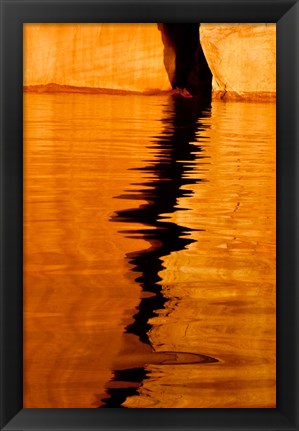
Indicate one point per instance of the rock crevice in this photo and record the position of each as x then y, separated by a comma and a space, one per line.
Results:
184, 58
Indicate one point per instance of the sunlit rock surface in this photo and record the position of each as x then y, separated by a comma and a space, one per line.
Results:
242, 58
132, 57
115, 56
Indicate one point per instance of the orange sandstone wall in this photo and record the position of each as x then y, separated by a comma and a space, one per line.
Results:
242, 58
117, 56
130, 57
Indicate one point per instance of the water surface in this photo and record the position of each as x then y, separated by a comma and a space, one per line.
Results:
149, 252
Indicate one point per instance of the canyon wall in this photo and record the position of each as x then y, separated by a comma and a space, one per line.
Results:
132, 57
115, 56
242, 58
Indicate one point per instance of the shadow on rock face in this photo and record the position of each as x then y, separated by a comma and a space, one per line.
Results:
184, 59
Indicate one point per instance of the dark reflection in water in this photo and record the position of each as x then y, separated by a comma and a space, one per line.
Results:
133, 377
176, 151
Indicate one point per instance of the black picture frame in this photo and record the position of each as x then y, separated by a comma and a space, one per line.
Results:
13, 14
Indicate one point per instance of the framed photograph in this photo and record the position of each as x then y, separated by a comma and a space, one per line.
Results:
149, 221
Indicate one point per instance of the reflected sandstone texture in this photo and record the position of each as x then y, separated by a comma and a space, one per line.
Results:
90, 162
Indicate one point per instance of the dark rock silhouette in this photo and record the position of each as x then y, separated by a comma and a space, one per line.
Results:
191, 70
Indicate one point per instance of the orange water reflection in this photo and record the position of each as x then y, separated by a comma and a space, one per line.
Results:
80, 290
